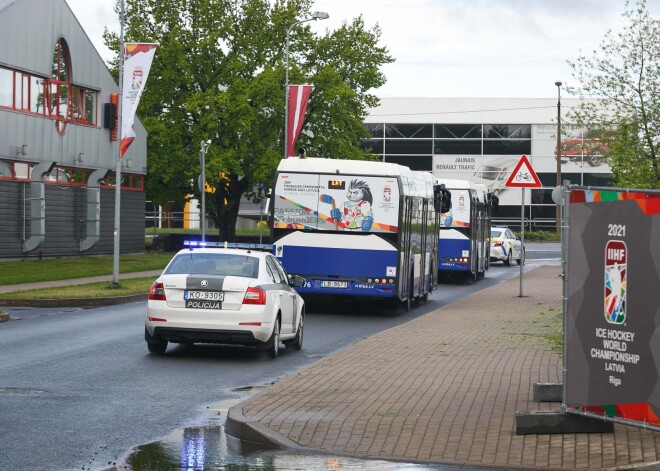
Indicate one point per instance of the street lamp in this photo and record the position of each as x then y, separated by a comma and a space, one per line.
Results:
316, 15
558, 214
202, 185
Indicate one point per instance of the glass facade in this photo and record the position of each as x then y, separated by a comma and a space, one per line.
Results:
487, 154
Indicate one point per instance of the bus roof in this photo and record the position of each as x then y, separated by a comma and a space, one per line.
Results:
455, 183
461, 184
343, 166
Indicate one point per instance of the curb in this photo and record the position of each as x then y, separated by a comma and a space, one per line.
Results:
71, 302
239, 427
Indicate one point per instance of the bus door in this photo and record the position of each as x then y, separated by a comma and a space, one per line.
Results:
406, 248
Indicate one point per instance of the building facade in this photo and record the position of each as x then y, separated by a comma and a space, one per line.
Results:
482, 140
58, 140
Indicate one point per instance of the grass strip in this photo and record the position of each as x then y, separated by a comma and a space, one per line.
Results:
102, 289
33, 271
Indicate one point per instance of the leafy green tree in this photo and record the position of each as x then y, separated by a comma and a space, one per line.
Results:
621, 85
219, 74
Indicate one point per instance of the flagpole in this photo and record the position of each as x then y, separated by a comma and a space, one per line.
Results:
115, 253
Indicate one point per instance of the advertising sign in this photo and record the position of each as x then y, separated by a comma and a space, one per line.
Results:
459, 213
612, 333
336, 202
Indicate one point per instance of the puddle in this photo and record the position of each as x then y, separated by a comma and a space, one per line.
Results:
208, 448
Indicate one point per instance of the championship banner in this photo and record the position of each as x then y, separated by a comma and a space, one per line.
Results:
298, 98
137, 62
613, 311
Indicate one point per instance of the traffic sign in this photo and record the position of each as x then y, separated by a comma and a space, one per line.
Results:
523, 175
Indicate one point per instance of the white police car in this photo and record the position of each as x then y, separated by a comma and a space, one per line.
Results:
220, 293
505, 246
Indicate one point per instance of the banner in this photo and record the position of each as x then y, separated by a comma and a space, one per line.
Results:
137, 62
613, 313
298, 98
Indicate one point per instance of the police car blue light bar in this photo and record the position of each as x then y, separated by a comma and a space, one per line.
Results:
191, 244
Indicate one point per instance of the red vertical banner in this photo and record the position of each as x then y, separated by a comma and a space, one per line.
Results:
298, 98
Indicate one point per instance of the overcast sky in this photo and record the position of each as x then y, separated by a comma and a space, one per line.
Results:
455, 48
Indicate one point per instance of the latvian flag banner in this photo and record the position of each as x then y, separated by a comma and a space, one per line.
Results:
298, 98
137, 62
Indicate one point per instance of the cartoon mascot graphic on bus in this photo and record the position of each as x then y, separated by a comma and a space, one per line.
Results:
356, 213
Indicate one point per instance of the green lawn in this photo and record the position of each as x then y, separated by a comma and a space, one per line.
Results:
32, 271
127, 287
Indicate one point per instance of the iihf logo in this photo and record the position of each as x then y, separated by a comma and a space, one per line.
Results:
616, 281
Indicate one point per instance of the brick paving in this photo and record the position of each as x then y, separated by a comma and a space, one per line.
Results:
444, 388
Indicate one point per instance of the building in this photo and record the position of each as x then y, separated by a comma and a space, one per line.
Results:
58, 140
482, 139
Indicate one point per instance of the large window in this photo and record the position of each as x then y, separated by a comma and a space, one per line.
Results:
54, 97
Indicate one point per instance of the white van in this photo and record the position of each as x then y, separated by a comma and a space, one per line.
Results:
494, 175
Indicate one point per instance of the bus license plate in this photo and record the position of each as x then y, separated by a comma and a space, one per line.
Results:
334, 284
204, 295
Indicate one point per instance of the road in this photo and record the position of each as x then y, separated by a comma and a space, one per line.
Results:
78, 389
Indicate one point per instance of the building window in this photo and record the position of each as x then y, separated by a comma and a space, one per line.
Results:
457, 146
408, 131
409, 146
376, 129
507, 131
54, 97
458, 131
507, 147
59, 86
414, 162
6, 88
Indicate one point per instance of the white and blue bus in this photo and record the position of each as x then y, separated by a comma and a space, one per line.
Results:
356, 228
464, 246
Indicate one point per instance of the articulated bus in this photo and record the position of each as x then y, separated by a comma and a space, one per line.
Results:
464, 246
356, 228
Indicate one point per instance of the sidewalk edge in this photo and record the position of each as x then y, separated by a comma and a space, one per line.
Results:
238, 426
73, 302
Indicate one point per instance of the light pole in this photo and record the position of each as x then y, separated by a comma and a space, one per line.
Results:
316, 15
202, 185
558, 214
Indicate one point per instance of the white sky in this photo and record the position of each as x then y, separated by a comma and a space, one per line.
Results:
455, 48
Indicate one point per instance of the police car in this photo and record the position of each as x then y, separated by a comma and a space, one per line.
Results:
505, 246
225, 294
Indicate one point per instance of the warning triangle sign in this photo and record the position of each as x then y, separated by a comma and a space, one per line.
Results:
523, 176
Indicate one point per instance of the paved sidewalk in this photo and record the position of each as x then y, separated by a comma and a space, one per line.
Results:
443, 388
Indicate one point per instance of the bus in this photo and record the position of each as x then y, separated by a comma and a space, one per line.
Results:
357, 229
464, 246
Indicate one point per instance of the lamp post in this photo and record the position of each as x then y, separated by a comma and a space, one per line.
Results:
202, 185
316, 15
558, 214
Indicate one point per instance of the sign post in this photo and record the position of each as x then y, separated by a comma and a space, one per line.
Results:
523, 176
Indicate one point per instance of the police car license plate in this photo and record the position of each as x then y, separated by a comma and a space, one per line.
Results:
204, 295
334, 284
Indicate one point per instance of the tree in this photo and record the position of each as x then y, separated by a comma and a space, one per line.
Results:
622, 84
219, 74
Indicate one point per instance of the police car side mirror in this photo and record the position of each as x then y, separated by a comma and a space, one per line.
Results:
296, 281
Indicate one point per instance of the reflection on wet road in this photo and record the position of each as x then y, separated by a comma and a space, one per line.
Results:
209, 448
